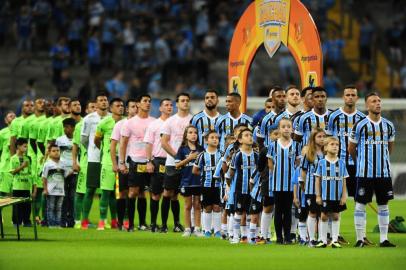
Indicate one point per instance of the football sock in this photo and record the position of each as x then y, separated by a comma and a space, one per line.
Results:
360, 220
383, 221
175, 211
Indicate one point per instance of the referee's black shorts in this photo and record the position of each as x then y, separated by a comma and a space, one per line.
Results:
157, 178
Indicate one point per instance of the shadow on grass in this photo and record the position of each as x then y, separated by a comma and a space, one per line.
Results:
14, 239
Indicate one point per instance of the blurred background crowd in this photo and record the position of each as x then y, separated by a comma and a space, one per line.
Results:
76, 47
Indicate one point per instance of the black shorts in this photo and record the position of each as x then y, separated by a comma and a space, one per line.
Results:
268, 201
122, 181
332, 207
242, 202
190, 191
157, 178
351, 181
311, 204
172, 178
93, 175
255, 207
210, 196
138, 176
302, 213
366, 187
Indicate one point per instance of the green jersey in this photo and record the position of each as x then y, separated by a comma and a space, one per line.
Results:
25, 126
34, 126
16, 126
104, 130
81, 181
43, 128
5, 149
21, 180
56, 128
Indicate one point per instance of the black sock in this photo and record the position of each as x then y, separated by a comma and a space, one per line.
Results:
131, 211
154, 208
142, 210
166, 203
175, 211
120, 210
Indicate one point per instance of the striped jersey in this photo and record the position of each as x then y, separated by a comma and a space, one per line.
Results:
244, 166
308, 121
225, 125
207, 162
372, 139
310, 168
270, 124
332, 176
283, 158
203, 122
340, 125
256, 189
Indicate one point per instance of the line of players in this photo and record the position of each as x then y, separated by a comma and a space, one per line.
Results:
185, 153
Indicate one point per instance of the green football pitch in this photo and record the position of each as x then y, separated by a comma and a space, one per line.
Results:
109, 249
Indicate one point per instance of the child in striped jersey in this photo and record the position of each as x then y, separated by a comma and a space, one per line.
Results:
242, 166
266, 192
312, 153
231, 148
283, 157
205, 166
190, 183
331, 190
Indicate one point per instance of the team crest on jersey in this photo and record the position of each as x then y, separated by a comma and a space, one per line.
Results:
238, 205
309, 202
361, 192
254, 207
324, 204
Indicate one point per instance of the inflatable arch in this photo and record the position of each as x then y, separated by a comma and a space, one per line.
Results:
271, 22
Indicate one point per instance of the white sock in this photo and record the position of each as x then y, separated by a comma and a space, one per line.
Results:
203, 220
237, 225
253, 230
257, 231
383, 221
302, 231
360, 220
244, 231
323, 233
335, 229
230, 225
265, 222
216, 221
319, 230
329, 230
224, 228
192, 217
207, 222
295, 221
248, 221
311, 225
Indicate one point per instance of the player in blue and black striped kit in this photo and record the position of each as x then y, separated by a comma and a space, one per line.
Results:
205, 166
283, 157
371, 143
331, 191
340, 124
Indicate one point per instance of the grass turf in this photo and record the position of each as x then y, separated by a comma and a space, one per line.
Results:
109, 249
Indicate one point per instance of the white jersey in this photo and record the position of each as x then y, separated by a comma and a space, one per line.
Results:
65, 146
89, 130
55, 174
